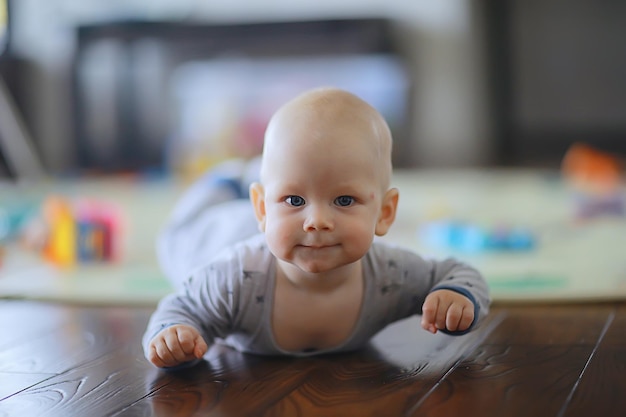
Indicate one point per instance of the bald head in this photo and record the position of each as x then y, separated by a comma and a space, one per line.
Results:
330, 119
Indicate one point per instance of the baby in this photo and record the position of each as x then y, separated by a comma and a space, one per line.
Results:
315, 281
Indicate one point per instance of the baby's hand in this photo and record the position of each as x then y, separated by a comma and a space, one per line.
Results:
449, 310
176, 345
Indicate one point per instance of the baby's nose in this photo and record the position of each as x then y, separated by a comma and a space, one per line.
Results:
318, 218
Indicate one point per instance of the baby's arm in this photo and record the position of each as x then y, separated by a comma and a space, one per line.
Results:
447, 310
458, 297
176, 345
185, 322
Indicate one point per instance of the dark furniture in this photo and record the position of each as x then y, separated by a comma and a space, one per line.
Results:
19, 158
556, 74
122, 72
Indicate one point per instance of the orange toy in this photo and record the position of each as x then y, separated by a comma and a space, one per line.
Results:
596, 180
591, 170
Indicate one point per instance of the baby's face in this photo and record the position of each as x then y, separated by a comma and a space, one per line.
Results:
322, 195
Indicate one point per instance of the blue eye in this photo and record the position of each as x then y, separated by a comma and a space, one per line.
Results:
294, 200
344, 201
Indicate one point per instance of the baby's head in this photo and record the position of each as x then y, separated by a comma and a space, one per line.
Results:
325, 178
327, 120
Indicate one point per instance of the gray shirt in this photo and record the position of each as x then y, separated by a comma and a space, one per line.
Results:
230, 299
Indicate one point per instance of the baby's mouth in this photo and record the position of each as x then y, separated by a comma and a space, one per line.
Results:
318, 246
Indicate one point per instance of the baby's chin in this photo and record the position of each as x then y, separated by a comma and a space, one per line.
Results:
313, 267
320, 265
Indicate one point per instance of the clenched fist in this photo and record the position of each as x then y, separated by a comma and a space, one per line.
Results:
449, 310
176, 345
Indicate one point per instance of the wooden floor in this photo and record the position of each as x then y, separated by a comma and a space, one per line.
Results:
65, 361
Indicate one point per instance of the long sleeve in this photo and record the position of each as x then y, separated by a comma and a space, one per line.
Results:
403, 280
227, 298
205, 302
453, 275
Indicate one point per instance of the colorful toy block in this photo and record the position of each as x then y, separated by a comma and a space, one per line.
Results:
83, 231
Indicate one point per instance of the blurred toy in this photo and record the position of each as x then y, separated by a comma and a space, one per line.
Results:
13, 217
99, 230
589, 206
60, 246
591, 169
75, 232
467, 237
596, 179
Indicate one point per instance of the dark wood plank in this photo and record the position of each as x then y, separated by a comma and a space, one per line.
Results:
501, 380
12, 383
119, 380
21, 321
70, 337
524, 360
602, 387
97, 388
401, 365
616, 334
353, 384
64, 349
552, 325
541, 350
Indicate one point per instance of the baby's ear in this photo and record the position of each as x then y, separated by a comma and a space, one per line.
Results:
387, 212
257, 196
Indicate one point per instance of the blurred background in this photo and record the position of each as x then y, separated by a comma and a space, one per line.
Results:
176, 86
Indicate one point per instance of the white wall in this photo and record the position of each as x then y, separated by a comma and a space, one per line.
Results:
440, 39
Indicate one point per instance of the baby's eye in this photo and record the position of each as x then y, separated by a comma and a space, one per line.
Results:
344, 201
294, 200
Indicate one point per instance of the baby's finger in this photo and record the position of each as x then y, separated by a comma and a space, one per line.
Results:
187, 340
429, 327
173, 344
442, 314
154, 357
429, 313
163, 353
200, 347
454, 316
467, 319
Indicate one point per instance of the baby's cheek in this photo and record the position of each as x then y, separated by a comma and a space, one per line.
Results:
279, 241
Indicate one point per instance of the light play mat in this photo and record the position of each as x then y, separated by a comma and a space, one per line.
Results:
568, 261
134, 278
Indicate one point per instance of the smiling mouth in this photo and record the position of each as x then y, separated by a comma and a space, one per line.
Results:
317, 247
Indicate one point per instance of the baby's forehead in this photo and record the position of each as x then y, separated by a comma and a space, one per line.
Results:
314, 120
330, 121
335, 105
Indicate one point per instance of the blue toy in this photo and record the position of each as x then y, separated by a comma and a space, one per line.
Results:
467, 237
